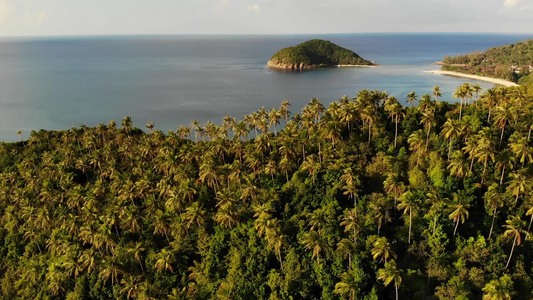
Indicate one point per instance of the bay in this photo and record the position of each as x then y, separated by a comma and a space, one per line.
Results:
61, 82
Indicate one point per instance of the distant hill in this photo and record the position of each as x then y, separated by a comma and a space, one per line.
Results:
512, 62
315, 54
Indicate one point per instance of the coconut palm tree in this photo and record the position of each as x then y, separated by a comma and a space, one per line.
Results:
459, 208
499, 289
382, 249
389, 274
313, 241
493, 200
514, 230
436, 92
409, 205
350, 283
411, 98
519, 185
416, 143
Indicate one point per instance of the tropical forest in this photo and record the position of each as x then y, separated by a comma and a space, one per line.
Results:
369, 197
512, 62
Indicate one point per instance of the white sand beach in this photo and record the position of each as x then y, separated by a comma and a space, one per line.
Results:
476, 77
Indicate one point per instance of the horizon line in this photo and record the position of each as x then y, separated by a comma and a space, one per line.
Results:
253, 34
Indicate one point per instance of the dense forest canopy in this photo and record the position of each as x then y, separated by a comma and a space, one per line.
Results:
363, 199
512, 62
314, 54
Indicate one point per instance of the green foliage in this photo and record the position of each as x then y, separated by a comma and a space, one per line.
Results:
337, 204
511, 62
317, 53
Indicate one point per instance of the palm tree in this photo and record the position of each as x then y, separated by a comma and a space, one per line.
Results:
131, 286
416, 142
351, 223
395, 110
137, 250
489, 98
313, 241
346, 248
436, 92
350, 283
499, 289
493, 200
504, 160
428, 120
393, 186
437, 203
389, 274
461, 93
409, 205
502, 115
284, 110
273, 117
514, 230
476, 88
518, 185
164, 260
276, 242
411, 98
382, 249
521, 149
459, 208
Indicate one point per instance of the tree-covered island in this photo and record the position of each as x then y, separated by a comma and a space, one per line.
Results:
315, 54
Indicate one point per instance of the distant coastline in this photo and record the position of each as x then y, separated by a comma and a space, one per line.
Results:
498, 81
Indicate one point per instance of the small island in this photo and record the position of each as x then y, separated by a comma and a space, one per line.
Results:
315, 54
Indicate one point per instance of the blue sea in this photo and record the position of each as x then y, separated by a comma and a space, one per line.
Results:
61, 82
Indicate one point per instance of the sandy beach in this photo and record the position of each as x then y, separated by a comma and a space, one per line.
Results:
356, 66
476, 77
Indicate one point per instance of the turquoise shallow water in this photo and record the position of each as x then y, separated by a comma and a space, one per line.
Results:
57, 83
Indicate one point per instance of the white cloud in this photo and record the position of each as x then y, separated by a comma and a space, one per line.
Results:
254, 8
510, 3
4, 10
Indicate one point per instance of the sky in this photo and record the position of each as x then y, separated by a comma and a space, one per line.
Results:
114, 17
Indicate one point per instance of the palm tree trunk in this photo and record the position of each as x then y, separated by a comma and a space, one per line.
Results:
492, 225
410, 222
396, 291
369, 131
511, 255
484, 170
396, 133
530, 221
450, 149
503, 173
501, 136
490, 109
456, 225
427, 138
461, 109
434, 224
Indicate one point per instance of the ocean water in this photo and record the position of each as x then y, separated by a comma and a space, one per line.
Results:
58, 83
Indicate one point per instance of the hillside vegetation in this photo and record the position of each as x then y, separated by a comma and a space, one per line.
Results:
315, 54
511, 62
363, 199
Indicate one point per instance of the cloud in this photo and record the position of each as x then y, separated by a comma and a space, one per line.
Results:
510, 3
254, 8
4, 10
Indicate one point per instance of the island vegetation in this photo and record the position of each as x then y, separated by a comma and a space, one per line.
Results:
363, 199
512, 62
315, 54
